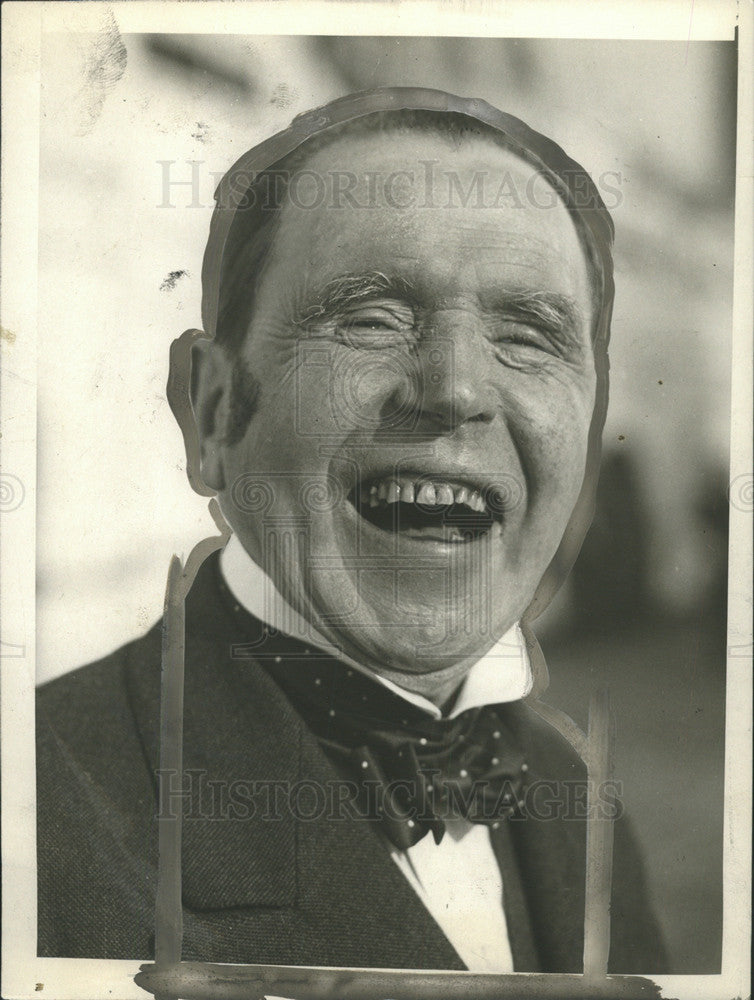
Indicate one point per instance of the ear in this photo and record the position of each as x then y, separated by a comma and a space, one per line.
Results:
210, 398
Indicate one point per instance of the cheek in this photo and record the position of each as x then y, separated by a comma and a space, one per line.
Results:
344, 390
555, 438
293, 392
563, 452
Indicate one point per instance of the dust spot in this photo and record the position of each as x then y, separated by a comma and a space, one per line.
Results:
283, 96
172, 280
38, 987
8, 335
202, 132
621, 437
659, 381
103, 62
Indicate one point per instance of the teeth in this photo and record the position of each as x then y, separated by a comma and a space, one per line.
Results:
427, 494
390, 491
445, 495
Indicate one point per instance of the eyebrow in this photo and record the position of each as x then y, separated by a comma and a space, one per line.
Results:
558, 314
349, 290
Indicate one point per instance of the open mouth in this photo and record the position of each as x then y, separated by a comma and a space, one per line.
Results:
432, 509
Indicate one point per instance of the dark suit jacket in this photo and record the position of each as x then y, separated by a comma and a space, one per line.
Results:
281, 890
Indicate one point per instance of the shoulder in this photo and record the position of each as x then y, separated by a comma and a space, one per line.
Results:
93, 701
548, 739
89, 743
95, 681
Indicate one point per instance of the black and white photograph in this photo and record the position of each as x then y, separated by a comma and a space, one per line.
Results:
376, 500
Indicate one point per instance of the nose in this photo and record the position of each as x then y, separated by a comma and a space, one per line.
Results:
452, 384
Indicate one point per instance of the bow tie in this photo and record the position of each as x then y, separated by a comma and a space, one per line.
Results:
409, 772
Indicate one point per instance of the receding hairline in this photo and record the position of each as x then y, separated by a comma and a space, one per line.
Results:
334, 158
453, 127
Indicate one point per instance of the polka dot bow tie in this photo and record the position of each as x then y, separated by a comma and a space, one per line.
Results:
406, 770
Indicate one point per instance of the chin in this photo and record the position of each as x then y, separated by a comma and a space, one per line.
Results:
421, 636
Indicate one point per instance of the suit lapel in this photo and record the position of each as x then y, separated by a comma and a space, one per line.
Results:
349, 882
254, 840
548, 846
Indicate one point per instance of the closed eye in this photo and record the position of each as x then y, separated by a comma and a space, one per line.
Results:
370, 321
521, 334
524, 332
376, 326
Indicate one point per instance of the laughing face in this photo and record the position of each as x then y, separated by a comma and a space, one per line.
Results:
426, 385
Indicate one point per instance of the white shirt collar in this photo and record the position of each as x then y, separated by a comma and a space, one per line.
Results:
502, 674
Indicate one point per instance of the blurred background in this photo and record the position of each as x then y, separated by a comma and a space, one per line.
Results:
137, 131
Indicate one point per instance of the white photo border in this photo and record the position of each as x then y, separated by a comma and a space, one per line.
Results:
24, 975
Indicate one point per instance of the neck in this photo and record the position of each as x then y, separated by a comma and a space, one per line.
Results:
438, 686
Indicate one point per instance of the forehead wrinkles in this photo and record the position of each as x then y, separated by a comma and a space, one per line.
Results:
467, 227
428, 252
521, 232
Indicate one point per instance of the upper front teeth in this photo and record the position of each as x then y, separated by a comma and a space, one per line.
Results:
425, 493
444, 494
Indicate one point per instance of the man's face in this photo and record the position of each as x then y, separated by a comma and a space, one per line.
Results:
426, 390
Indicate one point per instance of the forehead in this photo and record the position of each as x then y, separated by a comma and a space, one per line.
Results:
445, 213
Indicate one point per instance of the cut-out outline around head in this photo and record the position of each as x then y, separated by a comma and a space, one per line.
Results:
577, 191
